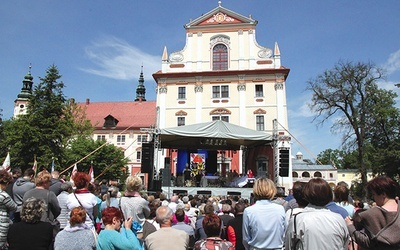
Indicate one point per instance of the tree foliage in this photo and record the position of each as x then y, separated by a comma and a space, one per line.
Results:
107, 160
331, 156
349, 95
44, 132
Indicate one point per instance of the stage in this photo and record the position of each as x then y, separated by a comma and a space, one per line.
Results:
209, 191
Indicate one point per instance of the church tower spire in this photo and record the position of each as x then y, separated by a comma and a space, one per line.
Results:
141, 89
20, 104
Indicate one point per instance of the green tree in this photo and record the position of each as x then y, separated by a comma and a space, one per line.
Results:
47, 127
387, 160
331, 156
108, 161
343, 94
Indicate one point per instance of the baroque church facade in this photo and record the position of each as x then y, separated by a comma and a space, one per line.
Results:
222, 73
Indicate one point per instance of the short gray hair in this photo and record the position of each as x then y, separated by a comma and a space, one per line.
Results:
66, 185
164, 214
185, 199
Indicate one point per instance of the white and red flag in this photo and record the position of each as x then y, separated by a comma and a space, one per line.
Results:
34, 167
91, 174
7, 162
74, 171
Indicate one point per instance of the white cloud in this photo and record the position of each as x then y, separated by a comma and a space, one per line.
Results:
301, 107
393, 63
117, 59
388, 85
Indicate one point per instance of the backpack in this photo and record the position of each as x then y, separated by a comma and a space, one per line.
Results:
296, 243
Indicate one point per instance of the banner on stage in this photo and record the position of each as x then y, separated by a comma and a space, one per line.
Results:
197, 163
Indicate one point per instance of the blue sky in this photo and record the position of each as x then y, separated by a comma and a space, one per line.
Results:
100, 45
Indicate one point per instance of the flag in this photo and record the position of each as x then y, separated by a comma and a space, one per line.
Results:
74, 171
91, 173
52, 166
7, 162
34, 167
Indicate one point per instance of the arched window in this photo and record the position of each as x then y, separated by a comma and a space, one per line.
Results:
220, 57
295, 175
305, 175
317, 174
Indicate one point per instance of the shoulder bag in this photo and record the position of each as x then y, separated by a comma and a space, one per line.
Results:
296, 243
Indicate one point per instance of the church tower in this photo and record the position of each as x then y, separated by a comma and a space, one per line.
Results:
20, 104
141, 89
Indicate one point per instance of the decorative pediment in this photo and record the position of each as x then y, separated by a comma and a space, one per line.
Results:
220, 15
219, 39
260, 112
220, 18
181, 113
220, 111
110, 122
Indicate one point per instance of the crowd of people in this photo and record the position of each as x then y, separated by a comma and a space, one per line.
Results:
43, 211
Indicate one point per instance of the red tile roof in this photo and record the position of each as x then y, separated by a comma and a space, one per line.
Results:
134, 115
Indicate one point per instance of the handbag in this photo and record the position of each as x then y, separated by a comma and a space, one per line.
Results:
296, 243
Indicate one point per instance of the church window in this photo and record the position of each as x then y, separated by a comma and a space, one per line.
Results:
260, 123
220, 91
224, 118
259, 90
181, 121
220, 57
182, 93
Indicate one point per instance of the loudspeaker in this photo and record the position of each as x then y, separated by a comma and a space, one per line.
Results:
167, 162
284, 162
147, 158
233, 193
156, 185
206, 192
211, 162
166, 176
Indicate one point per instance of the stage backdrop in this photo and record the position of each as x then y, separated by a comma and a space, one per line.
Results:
186, 157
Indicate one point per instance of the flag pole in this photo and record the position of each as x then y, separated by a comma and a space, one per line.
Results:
84, 157
93, 151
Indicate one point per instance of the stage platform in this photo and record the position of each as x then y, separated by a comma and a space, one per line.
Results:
209, 191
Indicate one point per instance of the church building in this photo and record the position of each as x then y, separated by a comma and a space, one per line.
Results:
222, 73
